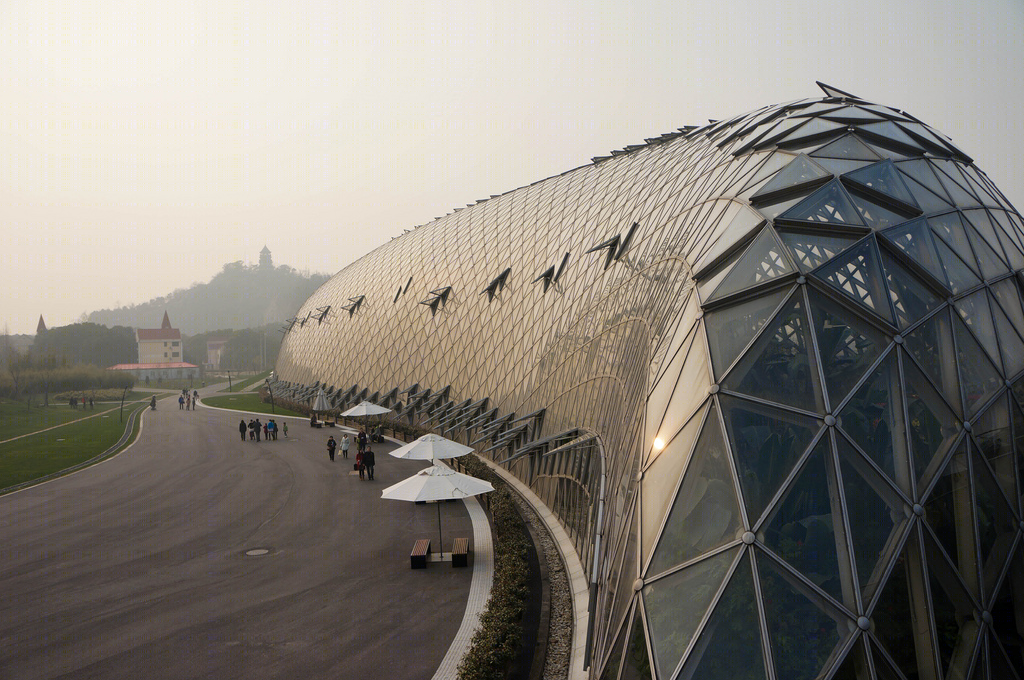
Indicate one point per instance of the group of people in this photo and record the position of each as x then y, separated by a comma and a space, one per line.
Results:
365, 458
255, 428
188, 401
73, 402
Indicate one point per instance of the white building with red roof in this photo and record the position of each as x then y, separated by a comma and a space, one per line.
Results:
160, 355
159, 345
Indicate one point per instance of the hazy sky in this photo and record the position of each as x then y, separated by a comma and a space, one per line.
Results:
144, 144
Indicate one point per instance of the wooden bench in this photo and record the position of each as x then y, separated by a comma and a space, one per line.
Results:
460, 552
420, 550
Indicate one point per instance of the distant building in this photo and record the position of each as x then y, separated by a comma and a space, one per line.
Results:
214, 347
177, 370
265, 261
40, 327
159, 345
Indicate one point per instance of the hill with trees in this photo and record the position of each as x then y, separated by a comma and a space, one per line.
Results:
238, 297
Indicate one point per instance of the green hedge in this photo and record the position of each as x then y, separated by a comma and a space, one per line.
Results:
496, 643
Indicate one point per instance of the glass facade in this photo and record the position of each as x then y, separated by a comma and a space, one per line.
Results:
768, 372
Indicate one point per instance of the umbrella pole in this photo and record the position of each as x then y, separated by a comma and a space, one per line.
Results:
440, 543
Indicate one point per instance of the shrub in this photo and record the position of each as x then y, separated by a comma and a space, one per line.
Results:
497, 641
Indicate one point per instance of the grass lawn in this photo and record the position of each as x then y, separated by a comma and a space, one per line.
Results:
247, 402
18, 419
47, 452
238, 386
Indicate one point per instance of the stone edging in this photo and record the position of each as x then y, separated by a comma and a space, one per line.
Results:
578, 585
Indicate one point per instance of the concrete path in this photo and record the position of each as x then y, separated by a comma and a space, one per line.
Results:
137, 567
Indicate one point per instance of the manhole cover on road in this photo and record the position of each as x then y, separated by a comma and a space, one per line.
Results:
256, 552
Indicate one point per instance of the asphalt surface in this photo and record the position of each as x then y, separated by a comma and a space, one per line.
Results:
137, 567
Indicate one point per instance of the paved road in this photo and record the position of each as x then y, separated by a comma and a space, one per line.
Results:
137, 567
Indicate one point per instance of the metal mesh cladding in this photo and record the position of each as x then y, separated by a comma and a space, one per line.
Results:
767, 372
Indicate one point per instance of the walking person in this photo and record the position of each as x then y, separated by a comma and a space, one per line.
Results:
259, 428
331, 446
242, 427
284, 426
368, 462
359, 464
361, 443
266, 431
181, 403
345, 442
252, 430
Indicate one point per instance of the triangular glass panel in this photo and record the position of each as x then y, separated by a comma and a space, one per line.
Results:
741, 226
799, 529
979, 219
929, 202
1002, 669
846, 344
852, 113
857, 275
705, 513
979, 377
636, 664
730, 329
874, 511
1017, 417
922, 172
611, 668
819, 128
875, 215
661, 478
827, 205
915, 240
772, 210
676, 605
847, 147
975, 312
1008, 233
931, 426
780, 365
710, 280
954, 612
950, 229
910, 298
764, 259
1010, 342
1005, 626
992, 264
893, 612
949, 511
811, 249
839, 166
766, 444
802, 171
994, 440
951, 179
855, 665
960, 276
883, 178
1007, 295
891, 131
804, 632
873, 418
730, 646
997, 526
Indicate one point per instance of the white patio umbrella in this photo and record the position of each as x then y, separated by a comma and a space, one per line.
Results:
320, 403
367, 408
436, 483
431, 447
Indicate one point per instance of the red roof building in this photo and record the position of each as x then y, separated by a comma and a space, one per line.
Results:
159, 345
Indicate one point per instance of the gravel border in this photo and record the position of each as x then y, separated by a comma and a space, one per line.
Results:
556, 665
